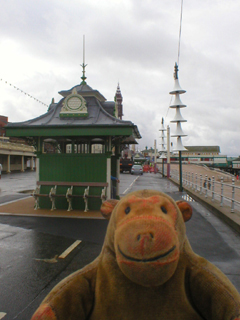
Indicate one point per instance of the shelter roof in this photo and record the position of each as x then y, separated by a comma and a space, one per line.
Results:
84, 90
97, 113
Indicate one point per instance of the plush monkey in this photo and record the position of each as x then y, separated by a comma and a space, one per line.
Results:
146, 270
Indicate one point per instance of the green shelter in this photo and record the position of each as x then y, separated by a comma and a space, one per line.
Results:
78, 140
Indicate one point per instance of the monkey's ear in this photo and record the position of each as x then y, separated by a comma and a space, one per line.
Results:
107, 208
186, 209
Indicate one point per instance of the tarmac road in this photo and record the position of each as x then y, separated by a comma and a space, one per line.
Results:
30, 246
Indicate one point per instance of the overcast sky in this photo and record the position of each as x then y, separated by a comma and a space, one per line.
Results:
135, 43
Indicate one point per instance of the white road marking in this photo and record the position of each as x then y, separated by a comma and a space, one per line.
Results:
2, 315
131, 185
69, 249
52, 260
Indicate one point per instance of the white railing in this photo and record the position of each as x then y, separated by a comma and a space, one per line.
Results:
225, 193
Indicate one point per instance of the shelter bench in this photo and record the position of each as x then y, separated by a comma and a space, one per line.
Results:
69, 195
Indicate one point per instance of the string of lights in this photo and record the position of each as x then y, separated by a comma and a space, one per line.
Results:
27, 94
179, 42
180, 32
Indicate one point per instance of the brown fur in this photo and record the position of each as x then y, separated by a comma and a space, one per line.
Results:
146, 270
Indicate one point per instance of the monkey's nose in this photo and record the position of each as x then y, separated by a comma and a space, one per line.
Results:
145, 235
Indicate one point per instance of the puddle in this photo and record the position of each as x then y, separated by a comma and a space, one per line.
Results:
188, 198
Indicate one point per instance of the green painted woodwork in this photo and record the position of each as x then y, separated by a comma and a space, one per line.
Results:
70, 168
59, 131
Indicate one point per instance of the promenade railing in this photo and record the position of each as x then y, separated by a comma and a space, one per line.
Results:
225, 193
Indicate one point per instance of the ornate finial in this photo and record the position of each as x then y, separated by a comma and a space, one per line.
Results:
83, 76
83, 65
162, 121
175, 75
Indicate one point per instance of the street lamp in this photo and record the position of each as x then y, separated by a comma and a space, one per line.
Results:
162, 145
168, 151
177, 104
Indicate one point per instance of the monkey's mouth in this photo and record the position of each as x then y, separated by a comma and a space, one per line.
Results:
147, 260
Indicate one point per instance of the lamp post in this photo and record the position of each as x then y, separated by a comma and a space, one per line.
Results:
162, 145
155, 156
168, 151
177, 104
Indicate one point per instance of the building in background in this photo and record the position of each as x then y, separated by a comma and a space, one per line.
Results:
15, 153
204, 155
118, 103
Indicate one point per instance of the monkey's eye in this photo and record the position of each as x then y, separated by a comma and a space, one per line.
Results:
164, 210
127, 210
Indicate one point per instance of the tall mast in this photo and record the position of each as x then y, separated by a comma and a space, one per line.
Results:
83, 65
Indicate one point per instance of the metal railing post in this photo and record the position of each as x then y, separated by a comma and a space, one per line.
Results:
200, 183
192, 180
196, 183
233, 194
221, 204
213, 187
205, 185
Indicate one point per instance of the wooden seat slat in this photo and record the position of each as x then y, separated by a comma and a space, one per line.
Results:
92, 196
74, 184
58, 195
75, 195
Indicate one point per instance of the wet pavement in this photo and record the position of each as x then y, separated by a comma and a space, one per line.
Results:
14, 186
30, 263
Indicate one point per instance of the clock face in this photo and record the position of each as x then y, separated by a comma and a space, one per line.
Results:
74, 103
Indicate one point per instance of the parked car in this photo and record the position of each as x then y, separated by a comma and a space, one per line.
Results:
136, 169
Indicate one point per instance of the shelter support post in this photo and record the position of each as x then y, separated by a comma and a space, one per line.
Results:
22, 169
118, 154
8, 163
109, 177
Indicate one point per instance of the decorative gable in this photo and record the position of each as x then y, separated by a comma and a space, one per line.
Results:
74, 105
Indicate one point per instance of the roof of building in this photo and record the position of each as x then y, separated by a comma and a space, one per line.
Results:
139, 155
99, 113
203, 148
84, 90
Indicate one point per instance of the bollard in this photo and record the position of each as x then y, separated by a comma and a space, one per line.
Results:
213, 187
221, 203
233, 194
